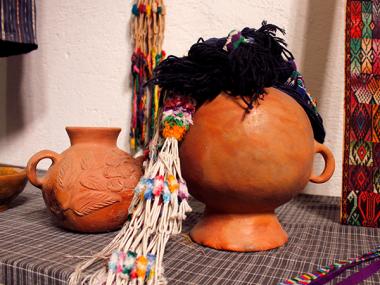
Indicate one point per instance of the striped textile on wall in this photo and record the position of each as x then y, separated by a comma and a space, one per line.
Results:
17, 27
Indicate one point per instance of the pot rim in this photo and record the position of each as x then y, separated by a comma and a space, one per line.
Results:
92, 128
20, 171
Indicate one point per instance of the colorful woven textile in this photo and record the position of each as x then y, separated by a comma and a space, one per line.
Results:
148, 24
361, 166
17, 27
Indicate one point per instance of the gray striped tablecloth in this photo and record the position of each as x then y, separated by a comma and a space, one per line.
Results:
34, 251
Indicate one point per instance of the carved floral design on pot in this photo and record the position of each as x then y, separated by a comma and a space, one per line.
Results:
89, 186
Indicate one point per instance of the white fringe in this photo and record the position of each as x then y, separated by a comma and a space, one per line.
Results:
153, 222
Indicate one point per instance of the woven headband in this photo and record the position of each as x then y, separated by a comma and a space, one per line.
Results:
234, 39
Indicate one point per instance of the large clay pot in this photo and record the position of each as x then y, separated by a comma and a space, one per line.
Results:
88, 187
244, 165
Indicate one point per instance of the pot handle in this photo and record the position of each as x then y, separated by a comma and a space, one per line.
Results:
329, 159
31, 168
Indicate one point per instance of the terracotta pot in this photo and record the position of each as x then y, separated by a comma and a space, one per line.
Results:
88, 187
244, 165
12, 182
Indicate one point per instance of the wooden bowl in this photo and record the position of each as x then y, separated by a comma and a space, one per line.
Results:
12, 182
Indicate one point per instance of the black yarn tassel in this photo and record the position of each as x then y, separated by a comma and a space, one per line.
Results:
208, 70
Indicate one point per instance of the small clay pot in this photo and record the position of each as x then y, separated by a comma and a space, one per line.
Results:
88, 187
244, 165
12, 182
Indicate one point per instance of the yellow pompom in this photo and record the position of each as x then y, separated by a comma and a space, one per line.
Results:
151, 274
148, 10
172, 183
141, 263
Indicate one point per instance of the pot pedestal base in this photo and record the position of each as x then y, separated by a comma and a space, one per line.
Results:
239, 232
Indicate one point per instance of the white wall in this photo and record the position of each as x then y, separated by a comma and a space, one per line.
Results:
80, 73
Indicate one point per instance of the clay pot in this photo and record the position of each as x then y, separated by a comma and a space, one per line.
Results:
88, 187
244, 165
12, 182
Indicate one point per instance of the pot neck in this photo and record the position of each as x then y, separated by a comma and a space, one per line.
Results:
90, 135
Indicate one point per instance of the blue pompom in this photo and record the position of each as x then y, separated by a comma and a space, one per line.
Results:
135, 10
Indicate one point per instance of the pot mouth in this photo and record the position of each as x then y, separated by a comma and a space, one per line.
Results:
93, 135
82, 128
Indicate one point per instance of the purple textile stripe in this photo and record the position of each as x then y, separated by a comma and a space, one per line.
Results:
330, 276
362, 274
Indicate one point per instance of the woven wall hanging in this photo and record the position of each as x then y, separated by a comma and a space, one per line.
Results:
147, 30
361, 165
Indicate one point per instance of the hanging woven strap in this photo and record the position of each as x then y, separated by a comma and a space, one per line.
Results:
147, 28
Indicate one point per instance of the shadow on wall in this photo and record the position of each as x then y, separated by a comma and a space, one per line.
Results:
3, 86
317, 51
320, 21
15, 109
21, 99
12, 109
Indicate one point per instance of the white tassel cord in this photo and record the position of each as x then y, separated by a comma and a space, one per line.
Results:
159, 206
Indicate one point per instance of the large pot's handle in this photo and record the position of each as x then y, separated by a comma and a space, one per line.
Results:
329, 159
31, 168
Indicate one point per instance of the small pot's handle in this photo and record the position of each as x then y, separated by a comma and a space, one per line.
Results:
329, 169
31, 168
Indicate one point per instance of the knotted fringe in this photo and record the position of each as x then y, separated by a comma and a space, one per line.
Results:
158, 207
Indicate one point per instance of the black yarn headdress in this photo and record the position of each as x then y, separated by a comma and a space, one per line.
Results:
257, 60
